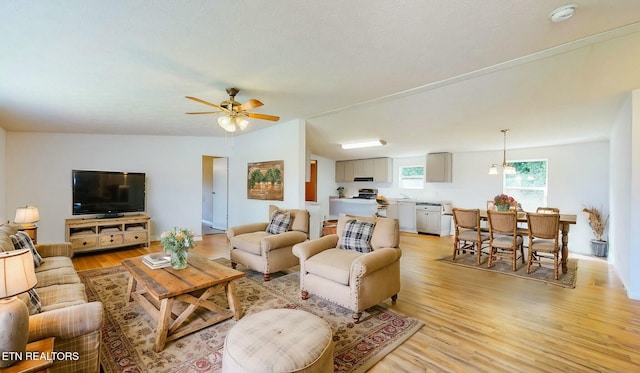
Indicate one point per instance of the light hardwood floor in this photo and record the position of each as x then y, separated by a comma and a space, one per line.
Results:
482, 321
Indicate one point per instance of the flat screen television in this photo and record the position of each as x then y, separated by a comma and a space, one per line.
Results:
107, 193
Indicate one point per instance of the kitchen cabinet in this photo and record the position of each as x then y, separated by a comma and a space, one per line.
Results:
383, 170
375, 169
428, 220
407, 216
439, 167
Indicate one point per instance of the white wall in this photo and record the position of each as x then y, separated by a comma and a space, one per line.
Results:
41, 176
286, 142
3, 178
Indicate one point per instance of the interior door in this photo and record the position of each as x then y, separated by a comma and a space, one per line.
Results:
220, 193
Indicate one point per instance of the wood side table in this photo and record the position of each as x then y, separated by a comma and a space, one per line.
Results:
32, 361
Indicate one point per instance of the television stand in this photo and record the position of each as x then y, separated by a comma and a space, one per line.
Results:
104, 233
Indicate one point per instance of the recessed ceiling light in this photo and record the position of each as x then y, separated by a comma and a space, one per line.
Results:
364, 144
563, 13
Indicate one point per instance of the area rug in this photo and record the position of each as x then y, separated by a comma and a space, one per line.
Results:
538, 273
128, 333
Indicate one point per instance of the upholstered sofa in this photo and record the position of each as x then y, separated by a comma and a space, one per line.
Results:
64, 311
257, 248
350, 278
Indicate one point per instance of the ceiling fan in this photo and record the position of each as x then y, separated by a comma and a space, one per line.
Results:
235, 114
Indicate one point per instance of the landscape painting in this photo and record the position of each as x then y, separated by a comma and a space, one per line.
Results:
265, 180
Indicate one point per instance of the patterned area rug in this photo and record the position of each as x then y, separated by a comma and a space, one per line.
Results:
129, 332
542, 273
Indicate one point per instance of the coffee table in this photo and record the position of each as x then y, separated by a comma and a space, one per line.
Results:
164, 292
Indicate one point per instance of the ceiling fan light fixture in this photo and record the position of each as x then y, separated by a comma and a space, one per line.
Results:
562, 13
363, 144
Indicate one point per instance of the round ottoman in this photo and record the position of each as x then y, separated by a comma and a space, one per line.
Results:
279, 340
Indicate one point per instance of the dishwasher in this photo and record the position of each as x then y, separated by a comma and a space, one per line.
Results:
429, 218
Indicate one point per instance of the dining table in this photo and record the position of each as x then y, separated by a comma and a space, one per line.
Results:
566, 220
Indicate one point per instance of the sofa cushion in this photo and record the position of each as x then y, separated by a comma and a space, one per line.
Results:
21, 241
332, 264
249, 242
55, 262
61, 296
299, 218
59, 276
6, 244
357, 236
280, 223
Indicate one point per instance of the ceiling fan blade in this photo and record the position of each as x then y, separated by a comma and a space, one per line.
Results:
206, 112
206, 103
251, 104
263, 116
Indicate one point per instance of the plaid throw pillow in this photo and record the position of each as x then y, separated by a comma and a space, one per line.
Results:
35, 305
21, 241
280, 223
356, 236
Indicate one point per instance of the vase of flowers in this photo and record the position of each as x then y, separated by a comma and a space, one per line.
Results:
504, 202
177, 242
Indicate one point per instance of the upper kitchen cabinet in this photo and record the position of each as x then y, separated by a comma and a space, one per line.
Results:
373, 169
439, 167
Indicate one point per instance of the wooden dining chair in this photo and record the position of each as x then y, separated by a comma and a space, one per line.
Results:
468, 237
543, 239
504, 240
547, 210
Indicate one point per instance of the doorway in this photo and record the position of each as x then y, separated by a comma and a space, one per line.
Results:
215, 194
311, 186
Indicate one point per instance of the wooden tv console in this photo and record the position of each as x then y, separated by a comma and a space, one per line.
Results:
92, 234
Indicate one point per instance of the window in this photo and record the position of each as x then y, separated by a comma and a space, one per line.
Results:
411, 177
529, 185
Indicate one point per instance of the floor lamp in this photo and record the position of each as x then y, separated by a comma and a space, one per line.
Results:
17, 276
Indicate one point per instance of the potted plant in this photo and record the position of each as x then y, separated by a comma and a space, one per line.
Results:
598, 224
340, 192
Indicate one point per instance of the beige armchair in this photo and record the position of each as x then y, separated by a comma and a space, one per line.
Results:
352, 279
253, 246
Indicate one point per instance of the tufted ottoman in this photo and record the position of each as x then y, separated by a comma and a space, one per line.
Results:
279, 340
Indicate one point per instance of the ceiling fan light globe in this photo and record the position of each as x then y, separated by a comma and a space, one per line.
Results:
242, 123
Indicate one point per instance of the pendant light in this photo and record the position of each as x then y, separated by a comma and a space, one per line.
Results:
507, 169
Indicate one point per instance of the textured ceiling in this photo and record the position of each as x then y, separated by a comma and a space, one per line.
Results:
425, 76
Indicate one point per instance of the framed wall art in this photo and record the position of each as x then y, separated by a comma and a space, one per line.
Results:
265, 180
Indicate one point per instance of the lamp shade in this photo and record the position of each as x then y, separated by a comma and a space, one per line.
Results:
17, 273
27, 215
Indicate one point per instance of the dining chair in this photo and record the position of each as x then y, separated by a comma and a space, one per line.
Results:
504, 240
543, 239
468, 233
547, 210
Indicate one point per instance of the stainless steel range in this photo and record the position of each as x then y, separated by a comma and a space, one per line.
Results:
367, 193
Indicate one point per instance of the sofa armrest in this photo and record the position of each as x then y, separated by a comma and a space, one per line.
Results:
66, 322
374, 261
286, 239
306, 250
55, 249
247, 228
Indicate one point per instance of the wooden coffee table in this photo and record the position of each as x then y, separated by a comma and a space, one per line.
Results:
157, 291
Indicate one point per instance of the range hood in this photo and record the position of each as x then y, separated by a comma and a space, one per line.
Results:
368, 178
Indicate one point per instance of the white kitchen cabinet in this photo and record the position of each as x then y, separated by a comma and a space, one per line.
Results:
349, 171
340, 172
407, 216
428, 221
439, 167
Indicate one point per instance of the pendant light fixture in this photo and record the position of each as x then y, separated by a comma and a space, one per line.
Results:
507, 169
